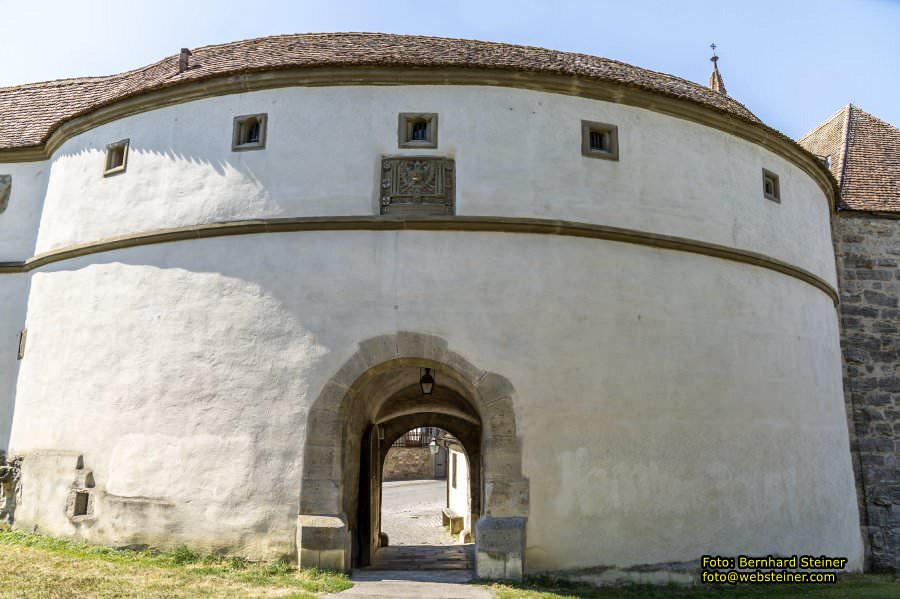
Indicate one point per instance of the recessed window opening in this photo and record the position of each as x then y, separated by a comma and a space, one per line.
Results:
420, 130
116, 157
599, 140
81, 504
5, 191
771, 186
417, 130
249, 132
455, 468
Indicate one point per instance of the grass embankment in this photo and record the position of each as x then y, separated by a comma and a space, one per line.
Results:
848, 587
35, 566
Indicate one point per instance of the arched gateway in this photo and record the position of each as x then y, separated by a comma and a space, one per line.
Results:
371, 401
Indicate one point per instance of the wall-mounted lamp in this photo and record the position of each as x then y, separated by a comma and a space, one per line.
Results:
433, 446
426, 382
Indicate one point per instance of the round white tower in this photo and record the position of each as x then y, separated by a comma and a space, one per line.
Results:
232, 273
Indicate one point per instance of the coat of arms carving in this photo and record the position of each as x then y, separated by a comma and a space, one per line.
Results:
5, 190
417, 185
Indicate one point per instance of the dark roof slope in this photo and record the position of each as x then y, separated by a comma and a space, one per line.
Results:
29, 113
865, 158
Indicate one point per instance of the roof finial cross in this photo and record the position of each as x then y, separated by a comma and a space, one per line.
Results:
715, 78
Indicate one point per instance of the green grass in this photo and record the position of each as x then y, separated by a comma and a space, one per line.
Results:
37, 566
848, 587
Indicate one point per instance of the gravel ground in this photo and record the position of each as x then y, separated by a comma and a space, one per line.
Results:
411, 512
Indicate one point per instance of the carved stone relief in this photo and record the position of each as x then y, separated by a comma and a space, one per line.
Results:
417, 185
5, 189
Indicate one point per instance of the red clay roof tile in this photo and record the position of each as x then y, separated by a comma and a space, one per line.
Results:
29, 113
865, 158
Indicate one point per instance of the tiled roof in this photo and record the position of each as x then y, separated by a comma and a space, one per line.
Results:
864, 154
29, 113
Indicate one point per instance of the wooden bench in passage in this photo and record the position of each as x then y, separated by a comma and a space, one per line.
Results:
453, 521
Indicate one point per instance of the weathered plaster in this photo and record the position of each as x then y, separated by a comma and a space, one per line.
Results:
307, 169
716, 386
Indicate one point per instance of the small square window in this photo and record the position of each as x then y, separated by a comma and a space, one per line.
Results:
249, 132
771, 187
417, 130
599, 140
116, 158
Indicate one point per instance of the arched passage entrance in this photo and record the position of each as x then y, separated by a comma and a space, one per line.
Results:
372, 397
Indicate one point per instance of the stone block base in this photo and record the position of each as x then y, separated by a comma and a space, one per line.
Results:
323, 542
500, 548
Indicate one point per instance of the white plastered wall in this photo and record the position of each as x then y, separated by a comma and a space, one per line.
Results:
19, 222
517, 152
458, 497
669, 404
18, 230
13, 293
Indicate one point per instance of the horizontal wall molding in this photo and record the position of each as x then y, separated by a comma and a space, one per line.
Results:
488, 224
607, 91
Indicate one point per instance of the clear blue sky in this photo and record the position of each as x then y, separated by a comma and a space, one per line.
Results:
792, 62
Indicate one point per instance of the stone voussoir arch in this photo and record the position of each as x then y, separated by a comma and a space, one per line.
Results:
323, 538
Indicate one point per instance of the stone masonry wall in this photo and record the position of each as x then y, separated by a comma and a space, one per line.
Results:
408, 463
868, 254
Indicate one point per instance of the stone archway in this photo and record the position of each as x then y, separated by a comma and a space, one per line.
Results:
346, 407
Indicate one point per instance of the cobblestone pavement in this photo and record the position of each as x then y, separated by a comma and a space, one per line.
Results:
411, 512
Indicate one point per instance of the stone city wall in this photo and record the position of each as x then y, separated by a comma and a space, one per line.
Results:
868, 254
408, 463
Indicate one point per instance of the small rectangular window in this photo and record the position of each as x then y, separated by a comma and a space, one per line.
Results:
116, 158
23, 336
599, 140
771, 187
417, 130
454, 470
249, 132
81, 504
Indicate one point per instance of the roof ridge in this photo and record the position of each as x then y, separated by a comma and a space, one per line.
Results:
825, 123
845, 146
874, 118
51, 103
87, 79
326, 35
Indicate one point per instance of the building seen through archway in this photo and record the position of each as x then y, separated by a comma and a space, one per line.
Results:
425, 503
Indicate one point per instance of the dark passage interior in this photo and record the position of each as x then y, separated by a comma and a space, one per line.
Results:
442, 425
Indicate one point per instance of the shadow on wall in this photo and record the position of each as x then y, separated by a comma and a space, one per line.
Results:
157, 184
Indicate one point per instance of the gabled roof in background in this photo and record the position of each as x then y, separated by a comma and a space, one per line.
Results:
864, 154
29, 113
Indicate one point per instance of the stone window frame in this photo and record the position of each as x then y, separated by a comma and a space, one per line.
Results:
455, 468
589, 127
5, 191
23, 337
405, 124
239, 132
767, 178
80, 505
111, 168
